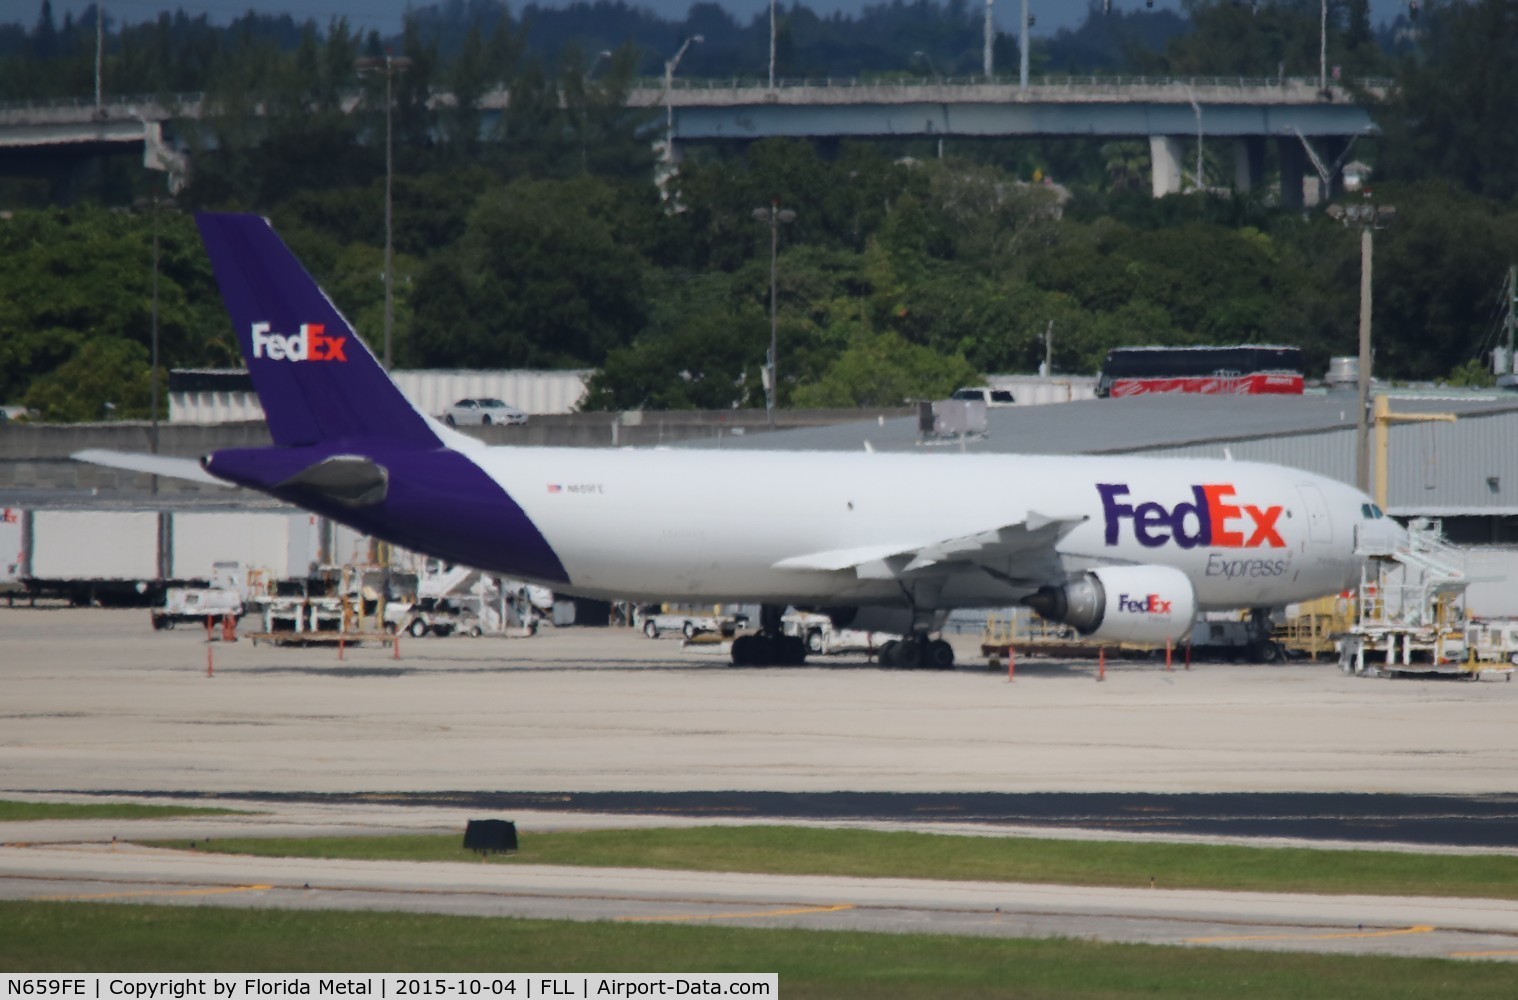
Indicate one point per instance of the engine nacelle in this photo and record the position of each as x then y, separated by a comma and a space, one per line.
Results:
1122, 603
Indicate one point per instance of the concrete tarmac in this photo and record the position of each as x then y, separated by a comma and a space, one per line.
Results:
93, 701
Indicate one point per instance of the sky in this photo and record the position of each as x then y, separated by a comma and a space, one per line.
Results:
385, 15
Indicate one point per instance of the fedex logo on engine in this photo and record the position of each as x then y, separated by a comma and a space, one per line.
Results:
1149, 604
1214, 519
310, 344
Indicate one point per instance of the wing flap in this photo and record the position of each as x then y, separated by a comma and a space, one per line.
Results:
1029, 543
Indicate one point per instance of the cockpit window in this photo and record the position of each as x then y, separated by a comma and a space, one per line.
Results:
1371, 512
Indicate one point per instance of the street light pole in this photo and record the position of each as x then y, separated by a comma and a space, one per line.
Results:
774, 215
669, 100
389, 65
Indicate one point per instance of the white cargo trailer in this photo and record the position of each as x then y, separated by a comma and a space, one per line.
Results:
92, 555
279, 543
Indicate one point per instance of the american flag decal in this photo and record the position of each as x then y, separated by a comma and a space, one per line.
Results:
555, 488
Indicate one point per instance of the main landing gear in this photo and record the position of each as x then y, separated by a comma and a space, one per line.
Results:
764, 650
770, 646
917, 650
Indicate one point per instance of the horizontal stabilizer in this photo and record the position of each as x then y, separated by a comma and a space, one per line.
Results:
153, 465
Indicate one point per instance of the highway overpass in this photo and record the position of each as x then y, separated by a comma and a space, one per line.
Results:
1312, 127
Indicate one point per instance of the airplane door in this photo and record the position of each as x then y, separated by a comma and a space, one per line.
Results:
1319, 525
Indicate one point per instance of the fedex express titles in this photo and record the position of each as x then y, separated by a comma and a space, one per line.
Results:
1213, 519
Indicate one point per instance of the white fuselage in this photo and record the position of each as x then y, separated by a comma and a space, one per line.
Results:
711, 525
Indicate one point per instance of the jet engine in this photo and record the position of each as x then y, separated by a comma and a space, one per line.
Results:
1122, 603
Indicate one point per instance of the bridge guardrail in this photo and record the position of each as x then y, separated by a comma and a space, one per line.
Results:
115, 104
1037, 83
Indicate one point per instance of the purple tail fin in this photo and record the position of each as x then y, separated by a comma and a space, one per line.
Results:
317, 382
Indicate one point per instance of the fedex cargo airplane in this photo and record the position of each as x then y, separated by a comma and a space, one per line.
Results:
1119, 548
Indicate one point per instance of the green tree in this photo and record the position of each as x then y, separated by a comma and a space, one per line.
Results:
1450, 115
539, 278
107, 378
883, 369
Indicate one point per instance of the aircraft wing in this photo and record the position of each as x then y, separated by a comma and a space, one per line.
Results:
1021, 551
155, 465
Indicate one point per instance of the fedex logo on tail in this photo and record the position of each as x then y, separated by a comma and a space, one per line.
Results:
1214, 519
310, 344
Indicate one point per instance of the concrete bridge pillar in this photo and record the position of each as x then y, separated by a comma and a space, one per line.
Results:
1248, 163
1293, 170
1165, 164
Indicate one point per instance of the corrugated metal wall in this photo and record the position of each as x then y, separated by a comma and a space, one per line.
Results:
533, 391
433, 391
1469, 467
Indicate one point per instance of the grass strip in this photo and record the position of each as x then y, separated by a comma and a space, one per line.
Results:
103, 937
23, 811
881, 854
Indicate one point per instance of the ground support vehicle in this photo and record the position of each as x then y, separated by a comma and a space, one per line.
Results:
430, 616
655, 621
823, 638
193, 605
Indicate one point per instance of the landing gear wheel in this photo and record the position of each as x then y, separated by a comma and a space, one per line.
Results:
887, 655
909, 654
792, 651
764, 649
940, 655
650, 629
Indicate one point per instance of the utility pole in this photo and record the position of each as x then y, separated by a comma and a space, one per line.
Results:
389, 66
1512, 316
774, 216
1022, 43
1323, 47
99, 57
986, 66
1362, 433
772, 43
1367, 218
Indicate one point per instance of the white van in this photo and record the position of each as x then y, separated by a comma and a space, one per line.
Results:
985, 394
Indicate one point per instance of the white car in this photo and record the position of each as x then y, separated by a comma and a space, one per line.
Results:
482, 411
